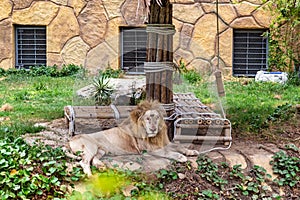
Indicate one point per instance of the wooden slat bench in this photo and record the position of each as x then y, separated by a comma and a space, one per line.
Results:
196, 122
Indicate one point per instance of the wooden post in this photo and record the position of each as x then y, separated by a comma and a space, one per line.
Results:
159, 77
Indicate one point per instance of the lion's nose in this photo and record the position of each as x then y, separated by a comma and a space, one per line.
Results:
153, 129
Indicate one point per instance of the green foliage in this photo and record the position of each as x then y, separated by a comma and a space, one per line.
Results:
191, 75
282, 112
36, 171
210, 194
103, 90
111, 73
293, 78
114, 184
226, 182
105, 184
251, 185
284, 37
237, 172
209, 170
51, 71
287, 167
167, 175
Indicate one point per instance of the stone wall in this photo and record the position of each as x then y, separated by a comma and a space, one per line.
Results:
86, 32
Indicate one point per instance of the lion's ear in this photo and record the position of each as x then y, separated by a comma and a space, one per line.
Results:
135, 114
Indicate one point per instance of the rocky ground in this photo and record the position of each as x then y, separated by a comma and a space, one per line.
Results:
246, 152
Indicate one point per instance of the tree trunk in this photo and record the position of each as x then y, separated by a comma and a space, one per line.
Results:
159, 76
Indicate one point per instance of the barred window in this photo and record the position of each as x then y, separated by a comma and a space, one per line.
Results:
30, 46
133, 49
250, 52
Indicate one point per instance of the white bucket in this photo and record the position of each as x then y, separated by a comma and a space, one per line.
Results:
278, 77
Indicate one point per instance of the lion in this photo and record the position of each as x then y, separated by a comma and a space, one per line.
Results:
143, 131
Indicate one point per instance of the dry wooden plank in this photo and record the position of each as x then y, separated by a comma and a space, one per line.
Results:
202, 138
202, 126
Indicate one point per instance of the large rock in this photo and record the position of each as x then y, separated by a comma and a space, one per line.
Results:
263, 17
100, 57
54, 59
113, 8
20, 4
185, 55
187, 13
200, 65
203, 42
245, 8
176, 37
263, 160
6, 63
182, 1
226, 46
61, 2
113, 33
77, 5
74, 51
186, 35
93, 23
6, 34
40, 13
131, 13
245, 22
61, 29
215, 61
258, 2
227, 13
234, 158
5, 9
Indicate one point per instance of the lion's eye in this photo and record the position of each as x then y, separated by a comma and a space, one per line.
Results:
148, 118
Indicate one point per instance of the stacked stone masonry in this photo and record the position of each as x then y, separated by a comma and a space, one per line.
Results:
86, 32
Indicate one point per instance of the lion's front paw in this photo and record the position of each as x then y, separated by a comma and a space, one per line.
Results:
189, 152
194, 153
181, 158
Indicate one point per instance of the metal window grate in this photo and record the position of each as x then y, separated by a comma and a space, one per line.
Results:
249, 52
30, 46
133, 49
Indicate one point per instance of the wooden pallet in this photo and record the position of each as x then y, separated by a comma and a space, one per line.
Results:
196, 122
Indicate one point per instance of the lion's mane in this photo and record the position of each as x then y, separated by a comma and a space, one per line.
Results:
134, 126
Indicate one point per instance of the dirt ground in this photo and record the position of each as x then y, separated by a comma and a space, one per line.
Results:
273, 140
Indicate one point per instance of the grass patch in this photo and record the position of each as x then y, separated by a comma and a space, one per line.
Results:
253, 106
33, 99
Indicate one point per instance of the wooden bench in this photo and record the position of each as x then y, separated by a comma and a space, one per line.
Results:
196, 122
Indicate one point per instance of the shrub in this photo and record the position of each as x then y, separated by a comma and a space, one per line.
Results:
51, 71
33, 172
111, 73
103, 90
191, 75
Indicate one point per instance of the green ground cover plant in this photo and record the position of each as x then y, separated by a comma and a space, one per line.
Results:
34, 172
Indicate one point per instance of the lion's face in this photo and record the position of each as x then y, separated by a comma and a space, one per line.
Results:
151, 121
